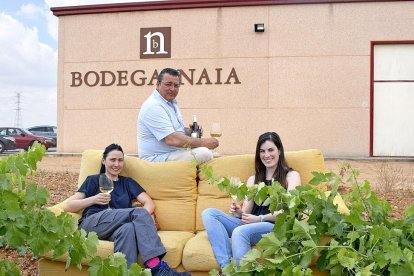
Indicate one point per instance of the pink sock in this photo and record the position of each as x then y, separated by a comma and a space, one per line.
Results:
152, 262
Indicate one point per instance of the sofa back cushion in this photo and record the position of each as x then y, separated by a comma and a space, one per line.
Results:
242, 166
172, 186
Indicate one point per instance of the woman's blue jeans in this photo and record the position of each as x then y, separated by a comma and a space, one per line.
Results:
221, 227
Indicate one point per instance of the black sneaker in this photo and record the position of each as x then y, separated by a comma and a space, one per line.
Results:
162, 269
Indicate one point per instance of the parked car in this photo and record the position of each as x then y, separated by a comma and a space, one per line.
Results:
24, 138
7, 143
45, 131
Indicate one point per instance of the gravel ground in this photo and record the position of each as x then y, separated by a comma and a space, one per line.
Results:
393, 179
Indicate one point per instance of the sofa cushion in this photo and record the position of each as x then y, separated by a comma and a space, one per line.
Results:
340, 203
173, 241
172, 186
198, 254
306, 162
91, 162
242, 166
209, 195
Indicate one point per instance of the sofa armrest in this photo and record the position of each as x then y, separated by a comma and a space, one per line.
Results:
340, 203
58, 208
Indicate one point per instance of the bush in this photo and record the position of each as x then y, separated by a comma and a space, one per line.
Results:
365, 242
26, 225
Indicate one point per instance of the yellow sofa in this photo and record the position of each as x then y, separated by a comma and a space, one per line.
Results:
179, 200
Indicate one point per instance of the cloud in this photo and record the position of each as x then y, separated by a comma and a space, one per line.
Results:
27, 66
52, 21
23, 58
64, 3
30, 10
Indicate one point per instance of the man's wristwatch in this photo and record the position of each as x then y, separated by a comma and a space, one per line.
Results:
262, 218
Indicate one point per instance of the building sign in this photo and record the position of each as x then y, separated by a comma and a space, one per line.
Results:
139, 77
155, 42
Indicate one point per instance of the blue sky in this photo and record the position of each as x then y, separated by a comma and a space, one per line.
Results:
29, 14
28, 59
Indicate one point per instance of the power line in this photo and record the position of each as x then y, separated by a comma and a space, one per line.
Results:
18, 116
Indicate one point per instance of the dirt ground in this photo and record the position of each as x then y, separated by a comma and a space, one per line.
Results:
394, 180
56, 163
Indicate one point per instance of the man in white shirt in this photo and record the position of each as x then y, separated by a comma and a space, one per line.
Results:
161, 132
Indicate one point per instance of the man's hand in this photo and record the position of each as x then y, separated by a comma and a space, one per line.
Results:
178, 139
210, 143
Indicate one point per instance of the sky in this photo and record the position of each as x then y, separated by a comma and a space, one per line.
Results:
28, 60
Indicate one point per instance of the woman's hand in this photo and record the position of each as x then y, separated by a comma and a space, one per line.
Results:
102, 199
249, 218
235, 209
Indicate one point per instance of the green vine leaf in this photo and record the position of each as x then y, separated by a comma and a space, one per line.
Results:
271, 244
302, 230
36, 196
347, 258
9, 268
392, 252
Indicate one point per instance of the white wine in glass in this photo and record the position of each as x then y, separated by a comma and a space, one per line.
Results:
106, 185
215, 130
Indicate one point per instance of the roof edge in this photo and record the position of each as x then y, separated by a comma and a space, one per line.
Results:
187, 4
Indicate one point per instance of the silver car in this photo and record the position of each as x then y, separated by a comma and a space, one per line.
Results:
45, 131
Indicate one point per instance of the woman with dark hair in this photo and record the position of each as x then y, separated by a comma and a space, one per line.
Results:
113, 218
249, 222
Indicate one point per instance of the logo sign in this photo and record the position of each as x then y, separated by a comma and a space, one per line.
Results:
155, 42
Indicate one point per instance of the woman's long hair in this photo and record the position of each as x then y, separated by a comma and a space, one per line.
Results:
107, 150
282, 167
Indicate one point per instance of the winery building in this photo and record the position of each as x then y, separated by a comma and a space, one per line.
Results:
333, 75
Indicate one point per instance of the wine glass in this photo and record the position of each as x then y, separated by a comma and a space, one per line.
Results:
235, 181
215, 132
106, 185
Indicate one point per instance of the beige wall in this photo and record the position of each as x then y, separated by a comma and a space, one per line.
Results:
306, 77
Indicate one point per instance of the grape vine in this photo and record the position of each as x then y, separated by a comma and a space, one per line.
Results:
26, 225
364, 242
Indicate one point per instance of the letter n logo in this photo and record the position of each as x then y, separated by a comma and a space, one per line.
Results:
155, 42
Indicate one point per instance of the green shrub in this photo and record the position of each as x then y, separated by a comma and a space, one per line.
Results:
25, 224
365, 242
